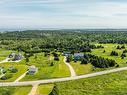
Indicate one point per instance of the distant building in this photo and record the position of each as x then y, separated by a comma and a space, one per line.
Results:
32, 70
66, 53
15, 56
78, 56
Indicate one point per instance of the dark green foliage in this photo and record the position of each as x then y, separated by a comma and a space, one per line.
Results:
84, 61
114, 53
125, 51
13, 70
56, 58
100, 62
55, 91
123, 55
6, 76
104, 51
51, 64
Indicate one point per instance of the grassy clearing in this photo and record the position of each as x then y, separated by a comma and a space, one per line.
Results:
45, 71
111, 84
4, 54
81, 69
108, 48
44, 89
15, 90
21, 69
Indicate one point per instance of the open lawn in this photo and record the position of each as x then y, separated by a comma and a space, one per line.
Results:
15, 90
44, 89
81, 69
21, 69
4, 54
45, 70
111, 84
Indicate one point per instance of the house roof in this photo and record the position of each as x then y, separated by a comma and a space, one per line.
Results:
78, 54
32, 68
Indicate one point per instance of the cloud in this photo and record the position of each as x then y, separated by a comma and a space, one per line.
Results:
63, 13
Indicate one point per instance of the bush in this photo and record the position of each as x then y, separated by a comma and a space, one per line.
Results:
6, 76
14, 70
114, 53
56, 58
84, 61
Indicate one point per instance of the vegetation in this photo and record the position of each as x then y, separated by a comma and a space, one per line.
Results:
45, 89
112, 84
15, 90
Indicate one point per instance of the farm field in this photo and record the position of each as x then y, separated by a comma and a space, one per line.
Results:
15, 90
111, 84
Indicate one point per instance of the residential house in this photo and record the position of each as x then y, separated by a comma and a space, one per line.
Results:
78, 56
15, 56
32, 70
66, 53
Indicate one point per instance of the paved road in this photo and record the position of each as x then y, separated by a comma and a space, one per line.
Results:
33, 90
73, 74
26, 83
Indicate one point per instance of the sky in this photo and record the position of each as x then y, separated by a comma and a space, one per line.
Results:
61, 14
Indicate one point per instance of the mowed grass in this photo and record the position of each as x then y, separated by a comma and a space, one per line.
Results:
4, 54
81, 69
21, 70
15, 90
111, 84
45, 70
109, 48
44, 89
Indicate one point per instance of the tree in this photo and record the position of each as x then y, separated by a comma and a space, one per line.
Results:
84, 61
123, 55
114, 53
27, 59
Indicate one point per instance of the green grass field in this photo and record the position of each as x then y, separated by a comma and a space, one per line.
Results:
108, 48
4, 54
111, 84
44, 89
81, 69
45, 71
21, 69
15, 90
84, 69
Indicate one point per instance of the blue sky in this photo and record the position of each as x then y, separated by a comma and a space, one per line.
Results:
38, 14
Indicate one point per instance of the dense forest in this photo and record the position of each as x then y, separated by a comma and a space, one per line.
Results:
59, 40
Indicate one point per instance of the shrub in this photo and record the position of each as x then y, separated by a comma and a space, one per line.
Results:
84, 61
6, 76
114, 53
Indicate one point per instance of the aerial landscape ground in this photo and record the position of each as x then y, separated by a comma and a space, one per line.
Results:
59, 62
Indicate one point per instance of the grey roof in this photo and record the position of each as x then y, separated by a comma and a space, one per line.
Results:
78, 54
